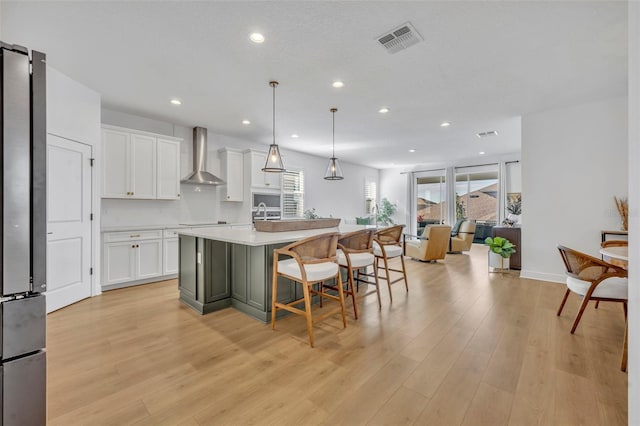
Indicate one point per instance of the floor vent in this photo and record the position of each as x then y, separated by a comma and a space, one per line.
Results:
400, 38
487, 134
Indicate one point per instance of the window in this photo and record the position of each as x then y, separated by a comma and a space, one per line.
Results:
292, 194
477, 197
370, 196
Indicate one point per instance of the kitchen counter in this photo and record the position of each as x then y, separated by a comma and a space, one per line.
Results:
163, 227
255, 238
220, 268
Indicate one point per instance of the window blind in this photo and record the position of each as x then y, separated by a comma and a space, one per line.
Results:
370, 196
293, 193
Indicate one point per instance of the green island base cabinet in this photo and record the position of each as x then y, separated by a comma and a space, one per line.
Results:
215, 275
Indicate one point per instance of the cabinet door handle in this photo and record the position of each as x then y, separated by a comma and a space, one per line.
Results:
178, 195
134, 235
133, 246
137, 245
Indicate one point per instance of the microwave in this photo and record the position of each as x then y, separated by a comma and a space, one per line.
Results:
272, 201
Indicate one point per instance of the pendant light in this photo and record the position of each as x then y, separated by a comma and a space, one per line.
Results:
334, 171
274, 159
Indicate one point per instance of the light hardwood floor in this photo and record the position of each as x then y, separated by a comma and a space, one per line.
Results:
463, 347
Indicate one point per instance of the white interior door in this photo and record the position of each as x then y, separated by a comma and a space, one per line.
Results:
68, 222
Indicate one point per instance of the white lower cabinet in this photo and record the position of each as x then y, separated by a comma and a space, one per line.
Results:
118, 265
148, 259
171, 256
131, 256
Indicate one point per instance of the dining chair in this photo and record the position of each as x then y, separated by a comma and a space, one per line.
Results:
312, 260
593, 279
355, 253
387, 245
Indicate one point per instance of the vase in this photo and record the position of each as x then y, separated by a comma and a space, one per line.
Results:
497, 261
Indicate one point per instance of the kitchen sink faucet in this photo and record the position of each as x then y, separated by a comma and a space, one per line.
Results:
264, 217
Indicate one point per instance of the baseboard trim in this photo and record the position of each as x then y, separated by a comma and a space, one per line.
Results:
543, 276
138, 282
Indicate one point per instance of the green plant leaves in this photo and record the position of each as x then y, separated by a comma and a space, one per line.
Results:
500, 246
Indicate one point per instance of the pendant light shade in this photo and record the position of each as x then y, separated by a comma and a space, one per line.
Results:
334, 171
274, 163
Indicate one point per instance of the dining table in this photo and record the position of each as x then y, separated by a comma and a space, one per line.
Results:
619, 256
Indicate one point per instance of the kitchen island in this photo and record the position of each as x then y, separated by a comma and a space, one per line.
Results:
222, 268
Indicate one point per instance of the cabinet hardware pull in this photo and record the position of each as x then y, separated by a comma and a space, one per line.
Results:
133, 246
134, 235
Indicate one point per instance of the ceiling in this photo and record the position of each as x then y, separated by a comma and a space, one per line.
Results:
481, 66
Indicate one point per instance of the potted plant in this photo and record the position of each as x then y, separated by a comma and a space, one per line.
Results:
500, 250
386, 212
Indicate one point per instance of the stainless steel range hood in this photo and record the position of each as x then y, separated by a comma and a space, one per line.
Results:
200, 175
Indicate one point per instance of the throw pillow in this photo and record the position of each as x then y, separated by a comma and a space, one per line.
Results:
363, 221
456, 227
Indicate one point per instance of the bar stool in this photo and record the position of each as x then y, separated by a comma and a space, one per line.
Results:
355, 252
386, 246
313, 260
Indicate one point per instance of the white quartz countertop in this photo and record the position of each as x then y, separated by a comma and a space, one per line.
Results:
255, 238
166, 226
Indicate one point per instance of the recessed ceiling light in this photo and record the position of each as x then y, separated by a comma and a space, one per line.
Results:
176, 101
338, 84
445, 124
481, 153
412, 150
383, 110
295, 136
246, 122
256, 38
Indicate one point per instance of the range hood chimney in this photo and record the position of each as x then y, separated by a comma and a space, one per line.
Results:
200, 175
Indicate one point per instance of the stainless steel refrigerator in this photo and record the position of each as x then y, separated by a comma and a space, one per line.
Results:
23, 236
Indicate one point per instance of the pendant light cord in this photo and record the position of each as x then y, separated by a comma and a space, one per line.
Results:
274, 84
333, 145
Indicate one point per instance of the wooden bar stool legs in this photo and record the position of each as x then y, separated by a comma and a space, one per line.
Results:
313, 260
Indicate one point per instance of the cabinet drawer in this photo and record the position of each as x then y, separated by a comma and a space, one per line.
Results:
111, 237
173, 233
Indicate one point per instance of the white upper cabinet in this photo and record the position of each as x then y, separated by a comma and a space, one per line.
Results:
232, 166
139, 165
168, 154
143, 166
259, 179
116, 149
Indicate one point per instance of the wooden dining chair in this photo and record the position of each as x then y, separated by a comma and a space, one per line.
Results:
312, 260
593, 279
355, 253
387, 245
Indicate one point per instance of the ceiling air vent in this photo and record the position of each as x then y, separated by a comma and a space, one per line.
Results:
400, 38
487, 134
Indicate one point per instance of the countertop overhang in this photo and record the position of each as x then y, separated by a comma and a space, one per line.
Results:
256, 238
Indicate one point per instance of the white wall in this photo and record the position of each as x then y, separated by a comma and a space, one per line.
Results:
393, 186
574, 161
73, 112
344, 199
634, 219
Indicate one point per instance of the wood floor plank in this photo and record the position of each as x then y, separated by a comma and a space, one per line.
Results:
490, 406
452, 399
459, 341
403, 408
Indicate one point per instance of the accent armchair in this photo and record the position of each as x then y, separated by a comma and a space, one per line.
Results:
464, 238
432, 245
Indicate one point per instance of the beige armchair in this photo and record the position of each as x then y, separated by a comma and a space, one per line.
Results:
432, 245
464, 239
